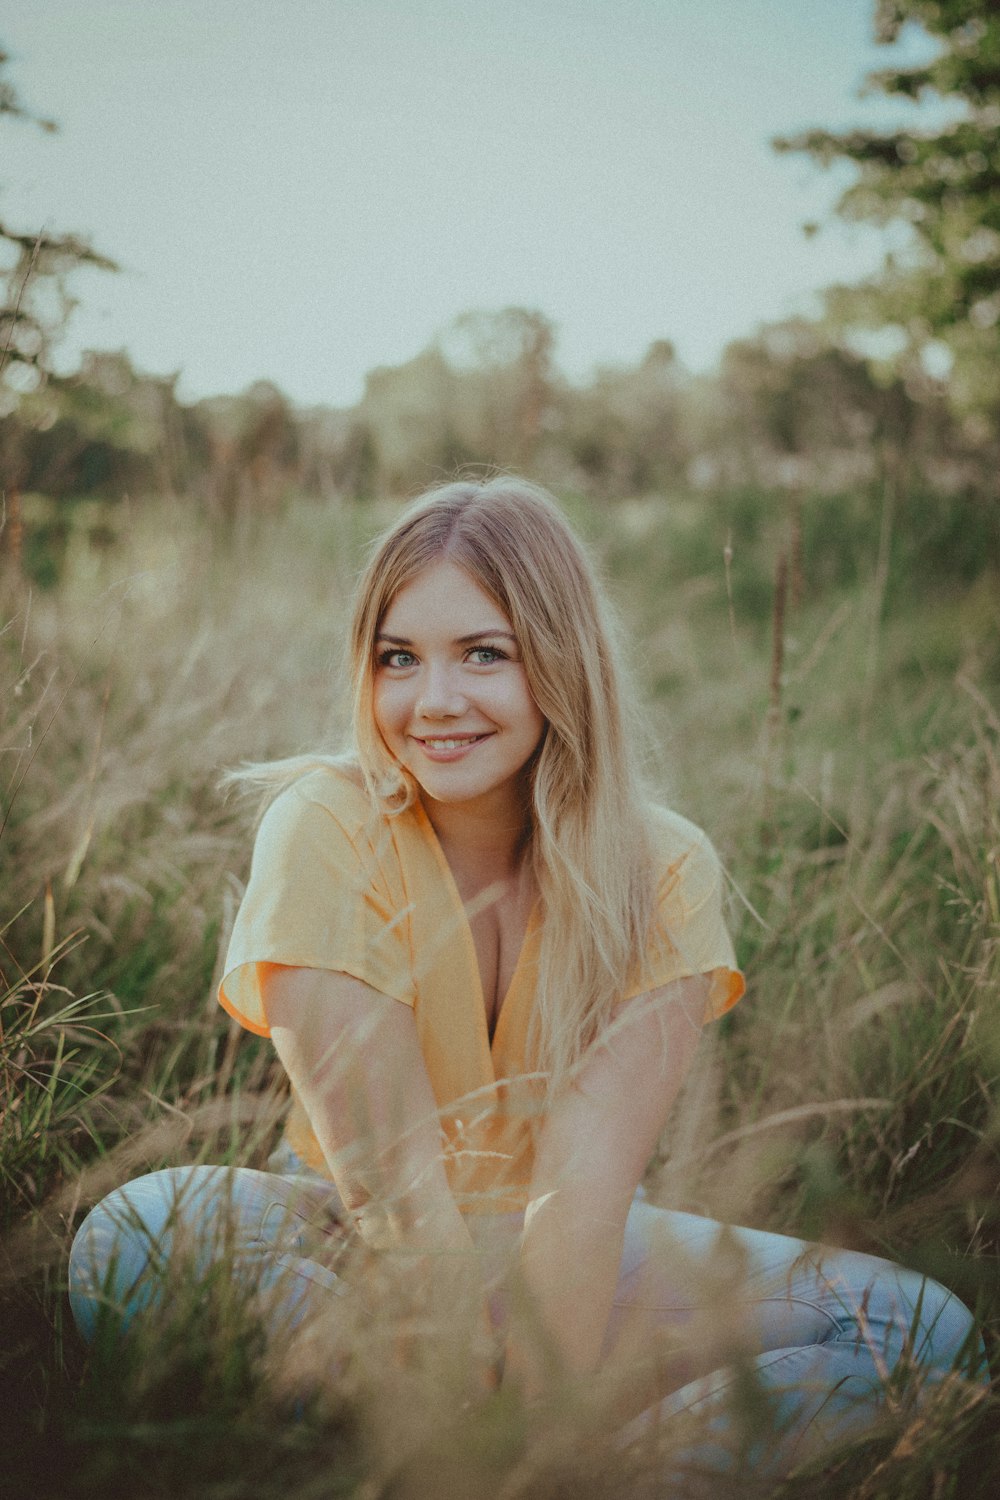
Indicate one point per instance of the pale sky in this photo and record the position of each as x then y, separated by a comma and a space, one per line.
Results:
301, 190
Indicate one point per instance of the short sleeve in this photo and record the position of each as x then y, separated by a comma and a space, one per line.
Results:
690, 934
321, 895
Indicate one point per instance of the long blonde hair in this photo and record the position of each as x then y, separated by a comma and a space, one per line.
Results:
588, 842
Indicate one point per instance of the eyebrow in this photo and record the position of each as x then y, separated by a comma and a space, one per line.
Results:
462, 640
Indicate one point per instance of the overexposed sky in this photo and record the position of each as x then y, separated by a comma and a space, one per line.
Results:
301, 190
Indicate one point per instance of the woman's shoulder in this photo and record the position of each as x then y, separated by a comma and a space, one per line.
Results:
670, 830
324, 818
332, 782
680, 846
333, 785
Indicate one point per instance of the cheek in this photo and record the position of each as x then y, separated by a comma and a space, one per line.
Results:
524, 709
385, 707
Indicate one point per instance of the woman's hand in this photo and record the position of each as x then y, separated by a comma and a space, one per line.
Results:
593, 1150
354, 1060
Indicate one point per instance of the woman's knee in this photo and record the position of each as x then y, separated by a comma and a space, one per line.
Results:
181, 1219
943, 1333
127, 1240
108, 1261
907, 1316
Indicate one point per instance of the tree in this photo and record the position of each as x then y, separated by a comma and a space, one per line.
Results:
407, 421
482, 392
34, 299
625, 431
941, 295
34, 304
792, 410
504, 363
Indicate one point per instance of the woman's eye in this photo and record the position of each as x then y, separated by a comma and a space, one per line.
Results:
484, 656
395, 658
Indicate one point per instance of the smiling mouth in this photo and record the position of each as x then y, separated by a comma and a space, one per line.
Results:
449, 742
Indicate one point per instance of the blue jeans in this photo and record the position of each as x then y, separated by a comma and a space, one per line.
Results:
819, 1333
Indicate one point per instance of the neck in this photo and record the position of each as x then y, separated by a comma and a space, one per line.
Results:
487, 843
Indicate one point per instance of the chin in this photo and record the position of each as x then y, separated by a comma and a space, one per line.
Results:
451, 795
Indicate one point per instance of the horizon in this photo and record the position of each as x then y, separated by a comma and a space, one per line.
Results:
302, 194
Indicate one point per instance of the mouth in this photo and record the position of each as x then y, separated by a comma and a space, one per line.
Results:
448, 747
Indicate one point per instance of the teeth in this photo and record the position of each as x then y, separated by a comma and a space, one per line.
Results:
449, 744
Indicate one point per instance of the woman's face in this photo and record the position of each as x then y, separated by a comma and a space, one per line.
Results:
451, 699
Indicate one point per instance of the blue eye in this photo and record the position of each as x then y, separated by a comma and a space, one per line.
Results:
485, 656
394, 657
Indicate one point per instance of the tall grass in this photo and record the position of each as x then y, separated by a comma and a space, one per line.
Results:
850, 777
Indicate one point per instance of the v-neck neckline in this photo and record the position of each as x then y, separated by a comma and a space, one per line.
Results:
491, 1044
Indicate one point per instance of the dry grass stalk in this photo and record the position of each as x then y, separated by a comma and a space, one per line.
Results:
773, 723
796, 572
12, 523
778, 634
727, 560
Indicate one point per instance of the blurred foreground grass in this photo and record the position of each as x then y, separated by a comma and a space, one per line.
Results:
851, 784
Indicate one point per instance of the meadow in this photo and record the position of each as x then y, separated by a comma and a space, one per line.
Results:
824, 683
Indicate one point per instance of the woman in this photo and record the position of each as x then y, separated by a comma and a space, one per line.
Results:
484, 961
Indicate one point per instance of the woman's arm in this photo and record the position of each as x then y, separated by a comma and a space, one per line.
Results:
594, 1147
354, 1059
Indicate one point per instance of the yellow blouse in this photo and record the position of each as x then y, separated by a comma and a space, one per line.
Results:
334, 885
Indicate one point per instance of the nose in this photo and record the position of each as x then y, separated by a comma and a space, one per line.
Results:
440, 695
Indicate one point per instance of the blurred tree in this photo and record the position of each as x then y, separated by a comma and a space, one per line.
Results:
268, 445
34, 304
482, 392
505, 396
626, 431
108, 430
337, 457
249, 449
939, 300
794, 410
34, 299
405, 421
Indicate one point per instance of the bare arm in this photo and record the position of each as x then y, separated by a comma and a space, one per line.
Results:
594, 1147
354, 1058
355, 1061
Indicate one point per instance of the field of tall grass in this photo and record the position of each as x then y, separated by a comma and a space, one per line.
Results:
842, 750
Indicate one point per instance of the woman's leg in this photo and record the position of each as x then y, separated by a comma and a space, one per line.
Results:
190, 1220
800, 1339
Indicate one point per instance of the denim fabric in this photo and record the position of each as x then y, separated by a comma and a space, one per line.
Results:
806, 1336
189, 1218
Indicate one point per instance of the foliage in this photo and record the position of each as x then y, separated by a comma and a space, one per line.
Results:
481, 391
944, 185
791, 409
34, 298
627, 432
794, 407
51, 1051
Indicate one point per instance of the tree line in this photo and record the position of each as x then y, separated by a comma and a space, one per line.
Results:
790, 407
898, 379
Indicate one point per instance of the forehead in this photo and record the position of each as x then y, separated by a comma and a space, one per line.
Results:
442, 593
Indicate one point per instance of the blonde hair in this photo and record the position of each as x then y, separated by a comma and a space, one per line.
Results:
588, 843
